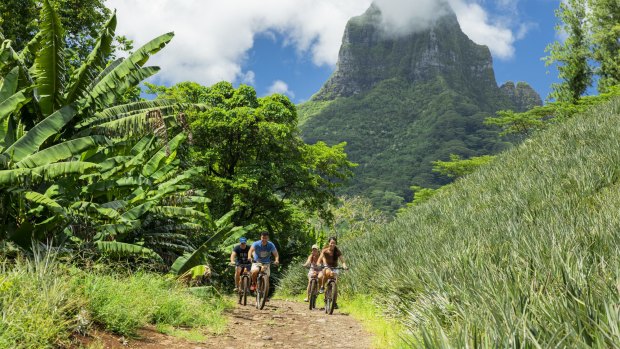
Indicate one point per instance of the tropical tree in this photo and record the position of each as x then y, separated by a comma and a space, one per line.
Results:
605, 23
571, 55
77, 164
257, 164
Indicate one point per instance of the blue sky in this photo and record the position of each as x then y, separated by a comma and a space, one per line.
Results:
291, 46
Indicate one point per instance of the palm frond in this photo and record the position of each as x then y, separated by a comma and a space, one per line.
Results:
50, 61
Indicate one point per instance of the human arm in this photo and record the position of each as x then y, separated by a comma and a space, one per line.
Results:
277, 256
308, 261
233, 256
341, 259
251, 253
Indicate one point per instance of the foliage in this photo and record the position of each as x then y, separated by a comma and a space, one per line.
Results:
45, 302
457, 167
257, 164
397, 129
525, 251
592, 29
573, 54
79, 165
124, 304
605, 22
526, 123
82, 19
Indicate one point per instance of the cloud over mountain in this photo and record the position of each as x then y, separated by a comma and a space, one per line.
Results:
213, 37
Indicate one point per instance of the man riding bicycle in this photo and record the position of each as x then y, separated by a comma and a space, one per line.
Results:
240, 258
329, 258
313, 263
261, 252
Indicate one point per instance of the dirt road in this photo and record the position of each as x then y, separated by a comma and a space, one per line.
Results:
285, 324
281, 324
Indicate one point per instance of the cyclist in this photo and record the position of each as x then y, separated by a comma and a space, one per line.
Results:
312, 262
329, 258
261, 252
239, 257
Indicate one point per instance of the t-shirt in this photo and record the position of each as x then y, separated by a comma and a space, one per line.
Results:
263, 253
242, 254
331, 258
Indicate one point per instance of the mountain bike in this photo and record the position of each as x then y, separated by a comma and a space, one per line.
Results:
331, 292
244, 283
262, 286
314, 287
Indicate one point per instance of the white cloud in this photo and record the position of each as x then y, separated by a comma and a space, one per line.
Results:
212, 37
280, 86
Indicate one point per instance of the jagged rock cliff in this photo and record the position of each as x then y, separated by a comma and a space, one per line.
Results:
522, 96
403, 101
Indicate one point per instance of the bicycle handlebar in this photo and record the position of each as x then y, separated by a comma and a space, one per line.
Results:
323, 266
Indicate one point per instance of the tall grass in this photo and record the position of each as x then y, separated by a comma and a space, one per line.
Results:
523, 253
44, 302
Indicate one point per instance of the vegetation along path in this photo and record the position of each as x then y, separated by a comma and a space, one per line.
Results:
281, 324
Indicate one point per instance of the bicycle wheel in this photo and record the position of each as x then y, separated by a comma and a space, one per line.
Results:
334, 294
245, 289
264, 292
312, 295
259, 288
328, 296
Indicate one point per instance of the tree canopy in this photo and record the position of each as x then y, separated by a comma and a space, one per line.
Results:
257, 164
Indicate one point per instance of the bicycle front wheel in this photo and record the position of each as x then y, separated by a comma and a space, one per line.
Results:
328, 298
312, 295
334, 295
245, 289
261, 295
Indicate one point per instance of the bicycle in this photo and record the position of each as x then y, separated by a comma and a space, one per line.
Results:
244, 283
262, 283
331, 292
314, 287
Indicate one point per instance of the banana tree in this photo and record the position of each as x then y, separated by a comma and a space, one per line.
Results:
77, 162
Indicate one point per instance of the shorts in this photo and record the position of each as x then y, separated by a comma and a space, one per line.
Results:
312, 270
255, 266
335, 271
243, 267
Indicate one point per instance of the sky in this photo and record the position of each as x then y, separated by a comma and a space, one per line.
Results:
291, 46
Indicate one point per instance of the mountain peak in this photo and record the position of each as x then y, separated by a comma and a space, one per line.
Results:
373, 51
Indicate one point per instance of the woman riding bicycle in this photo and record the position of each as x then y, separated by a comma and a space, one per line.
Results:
312, 262
329, 258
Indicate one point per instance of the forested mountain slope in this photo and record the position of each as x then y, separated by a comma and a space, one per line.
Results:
525, 252
403, 101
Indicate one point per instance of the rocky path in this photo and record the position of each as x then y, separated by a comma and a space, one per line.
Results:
286, 324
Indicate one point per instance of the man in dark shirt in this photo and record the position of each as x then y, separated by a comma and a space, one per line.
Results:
239, 257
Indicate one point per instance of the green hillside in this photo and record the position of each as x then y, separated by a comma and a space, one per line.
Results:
523, 253
403, 101
396, 130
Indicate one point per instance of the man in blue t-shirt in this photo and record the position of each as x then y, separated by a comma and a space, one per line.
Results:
240, 258
261, 252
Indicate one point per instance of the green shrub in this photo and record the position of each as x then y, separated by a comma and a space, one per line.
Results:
38, 307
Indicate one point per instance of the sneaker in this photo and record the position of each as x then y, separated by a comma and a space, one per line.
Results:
305, 299
322, 289
266, 299
236, 289
335, 305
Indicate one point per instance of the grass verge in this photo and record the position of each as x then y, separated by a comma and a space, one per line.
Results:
44, 302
